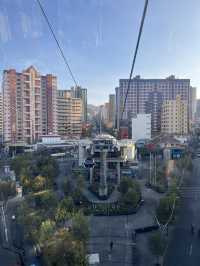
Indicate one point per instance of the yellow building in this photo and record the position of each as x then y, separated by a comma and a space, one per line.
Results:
174, 118
69, 112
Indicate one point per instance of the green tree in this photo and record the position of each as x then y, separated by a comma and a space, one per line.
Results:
157, 244
64, 210
30, 219
62, 250
19, 163
131, 198
47, 200
125, 184
67, 187
164, 209
7, 189
39, 183
46, 231
80, 227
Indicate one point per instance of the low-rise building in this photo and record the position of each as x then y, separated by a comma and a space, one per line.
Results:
141, 127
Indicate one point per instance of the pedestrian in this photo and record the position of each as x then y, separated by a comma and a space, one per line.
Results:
111, 245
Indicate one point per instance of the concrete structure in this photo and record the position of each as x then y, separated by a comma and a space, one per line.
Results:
174, 117
29, 105
193, 102
69, 114
104, 109
109, 155
111, 110
105, 149
154, 107
141, 127
127, 149
1, 117
84, 146
49, 104
12, 105
139, 94
197, 113
81, 93
51, 139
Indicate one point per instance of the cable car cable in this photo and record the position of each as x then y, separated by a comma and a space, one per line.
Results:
57, 42
135, 54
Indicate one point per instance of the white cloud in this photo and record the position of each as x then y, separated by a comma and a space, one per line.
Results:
5, 32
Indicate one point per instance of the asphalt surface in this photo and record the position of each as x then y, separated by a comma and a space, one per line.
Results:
7, 257
119, 229
184, 248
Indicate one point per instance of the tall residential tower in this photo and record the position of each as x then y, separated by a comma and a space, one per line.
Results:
29, 105
139, 95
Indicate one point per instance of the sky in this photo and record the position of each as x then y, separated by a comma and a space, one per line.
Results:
99, 37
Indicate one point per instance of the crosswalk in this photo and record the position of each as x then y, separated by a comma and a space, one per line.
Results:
191, 192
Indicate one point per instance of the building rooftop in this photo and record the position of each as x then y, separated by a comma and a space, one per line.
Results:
104, 136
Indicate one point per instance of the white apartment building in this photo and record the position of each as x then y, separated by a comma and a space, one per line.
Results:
141, 127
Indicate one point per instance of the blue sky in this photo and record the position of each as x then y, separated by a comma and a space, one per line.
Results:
98, 37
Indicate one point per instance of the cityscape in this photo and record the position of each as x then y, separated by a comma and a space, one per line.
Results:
108, 182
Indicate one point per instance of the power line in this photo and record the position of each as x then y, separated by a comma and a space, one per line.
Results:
135, 54
57, 42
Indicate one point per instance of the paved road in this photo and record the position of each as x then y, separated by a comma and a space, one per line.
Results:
118, 229
184, 248
7, 258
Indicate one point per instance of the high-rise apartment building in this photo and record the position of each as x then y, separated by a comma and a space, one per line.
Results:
1, 117
193, 103
139, 94
197, 114
29, 105
175, 117
49, 104
12, 106
69, 111
111, 112
81, 93
30, 95
154, 107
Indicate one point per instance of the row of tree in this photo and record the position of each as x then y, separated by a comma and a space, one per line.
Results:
130, 192
7, 189
35, 171
56, 226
